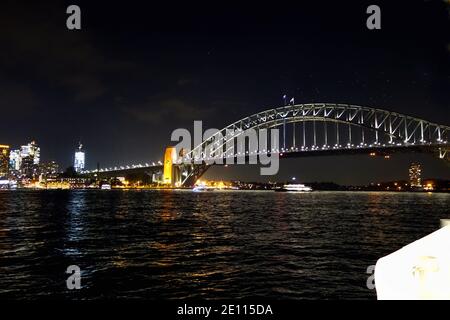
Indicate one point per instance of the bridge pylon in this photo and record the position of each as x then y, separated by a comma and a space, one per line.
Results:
169, 171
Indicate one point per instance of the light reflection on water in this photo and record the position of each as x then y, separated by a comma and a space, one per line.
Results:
170, 244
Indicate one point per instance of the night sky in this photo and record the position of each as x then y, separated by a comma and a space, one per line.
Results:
138, 70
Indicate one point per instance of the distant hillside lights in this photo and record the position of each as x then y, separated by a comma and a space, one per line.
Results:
415, 175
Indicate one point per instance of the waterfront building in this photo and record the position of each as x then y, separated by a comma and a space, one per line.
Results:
4, 160
49, 170
68, 183
80, 158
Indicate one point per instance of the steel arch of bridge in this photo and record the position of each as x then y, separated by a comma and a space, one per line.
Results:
377, 129
399, 129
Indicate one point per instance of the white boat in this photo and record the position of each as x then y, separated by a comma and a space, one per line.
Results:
294, 188
202, 188
105, 186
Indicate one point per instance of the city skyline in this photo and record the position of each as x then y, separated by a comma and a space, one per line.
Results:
224, 159
184, 72
412, 168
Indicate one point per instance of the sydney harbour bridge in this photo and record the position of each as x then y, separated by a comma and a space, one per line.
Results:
314, 129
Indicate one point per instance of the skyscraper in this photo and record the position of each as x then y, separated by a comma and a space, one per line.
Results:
4, 160
15, 160
32, 151
79, 159
415, 175
29, 160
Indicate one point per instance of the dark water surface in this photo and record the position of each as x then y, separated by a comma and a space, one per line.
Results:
180, 244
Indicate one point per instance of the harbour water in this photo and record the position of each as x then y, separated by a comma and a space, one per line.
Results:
180, 244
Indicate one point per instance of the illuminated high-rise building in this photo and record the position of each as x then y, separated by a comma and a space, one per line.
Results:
415, 175
4, 160
32, 151
15, 160
79, 159
30, 156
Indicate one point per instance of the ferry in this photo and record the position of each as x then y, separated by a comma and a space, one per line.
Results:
294, 188
105, 186
202, 188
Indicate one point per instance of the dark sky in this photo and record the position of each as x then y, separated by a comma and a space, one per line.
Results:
139, 69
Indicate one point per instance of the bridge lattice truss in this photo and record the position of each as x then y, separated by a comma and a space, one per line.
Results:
315, 128
325, 126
